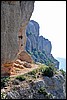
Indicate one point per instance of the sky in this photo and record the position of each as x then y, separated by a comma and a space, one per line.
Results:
51, 16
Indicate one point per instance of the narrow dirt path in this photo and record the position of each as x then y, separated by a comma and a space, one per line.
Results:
25, 70
20, 72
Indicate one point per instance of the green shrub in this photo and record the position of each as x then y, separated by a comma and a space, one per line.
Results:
49, 63
48, 72
63, 72
20, 78
49, 96
4, 80
41, 69
42, 90
33, 72
3, 95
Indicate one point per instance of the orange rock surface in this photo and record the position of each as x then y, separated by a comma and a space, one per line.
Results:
24, 56
16, 67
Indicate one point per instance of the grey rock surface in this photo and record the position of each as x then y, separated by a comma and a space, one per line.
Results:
46, 88
38, 46
32, 32
44, 44
14, 14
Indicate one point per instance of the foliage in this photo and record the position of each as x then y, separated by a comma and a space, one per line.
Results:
49, 63
49, 96
21, 78
47, 71
42, 68
4, 80
3, 96
33, 72
42, 90
63, 72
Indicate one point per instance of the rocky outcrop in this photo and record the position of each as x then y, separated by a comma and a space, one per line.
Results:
14, 19
24, 56
38, 46
44, 44
44, 88
36, 41
32, 32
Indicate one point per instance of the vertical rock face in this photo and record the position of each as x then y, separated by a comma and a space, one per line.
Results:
39, 47
14, 16
36, 41
44, 44
32, 32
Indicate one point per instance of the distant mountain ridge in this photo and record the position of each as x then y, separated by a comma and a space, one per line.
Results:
39, 47
62, 63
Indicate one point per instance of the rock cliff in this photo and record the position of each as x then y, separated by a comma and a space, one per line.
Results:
30, 81
14, 19
39, 47
34, 85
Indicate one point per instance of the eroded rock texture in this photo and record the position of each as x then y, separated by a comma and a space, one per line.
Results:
38, 46
14, 17
44, 88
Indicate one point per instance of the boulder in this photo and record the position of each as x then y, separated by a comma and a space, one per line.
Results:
27, 65
24, 56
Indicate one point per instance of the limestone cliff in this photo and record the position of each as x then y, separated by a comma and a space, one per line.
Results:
14, 19
38, 46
